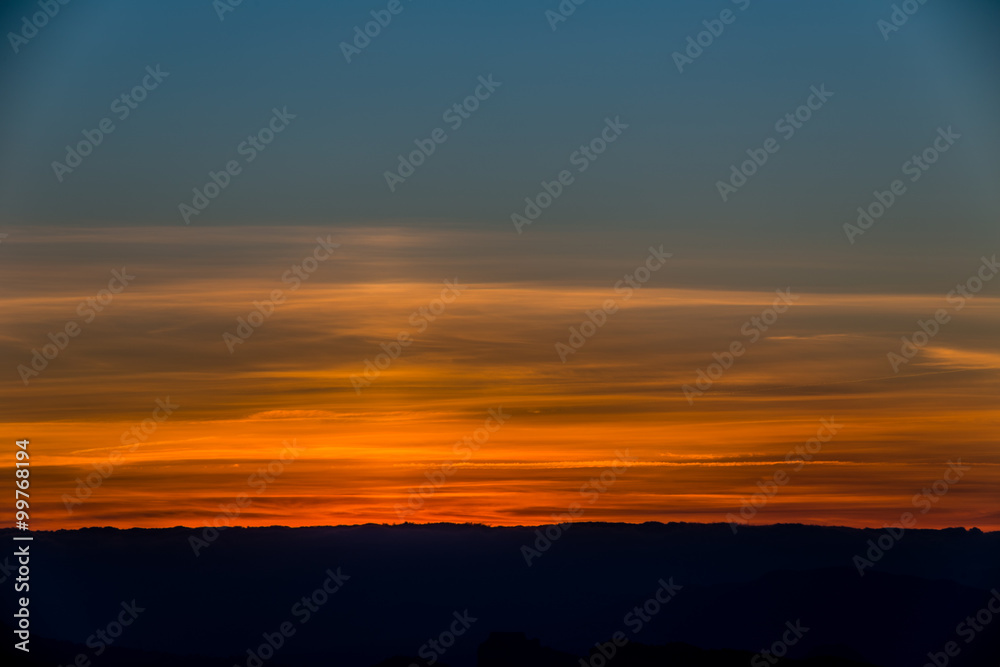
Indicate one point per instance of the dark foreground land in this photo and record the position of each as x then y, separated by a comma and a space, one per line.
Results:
463, 595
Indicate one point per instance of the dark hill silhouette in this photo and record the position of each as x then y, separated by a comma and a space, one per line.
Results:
514, 649
406, 584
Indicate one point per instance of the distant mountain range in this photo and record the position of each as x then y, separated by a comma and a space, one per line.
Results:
606, 595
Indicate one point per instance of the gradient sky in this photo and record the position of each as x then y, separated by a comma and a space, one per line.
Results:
494, 346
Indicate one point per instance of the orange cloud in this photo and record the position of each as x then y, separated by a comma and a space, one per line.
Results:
363, 454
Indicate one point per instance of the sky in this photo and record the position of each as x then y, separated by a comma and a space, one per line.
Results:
373, 251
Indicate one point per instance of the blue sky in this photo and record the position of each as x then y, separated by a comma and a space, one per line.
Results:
607, 59
609, 65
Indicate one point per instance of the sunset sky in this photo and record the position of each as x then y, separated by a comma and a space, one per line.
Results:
494, 346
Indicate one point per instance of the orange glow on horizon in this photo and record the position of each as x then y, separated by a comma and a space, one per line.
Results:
363, 453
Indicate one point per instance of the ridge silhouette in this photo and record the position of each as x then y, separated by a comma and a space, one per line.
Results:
408, 583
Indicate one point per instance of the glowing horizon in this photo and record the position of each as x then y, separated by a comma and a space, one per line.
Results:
491, 348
